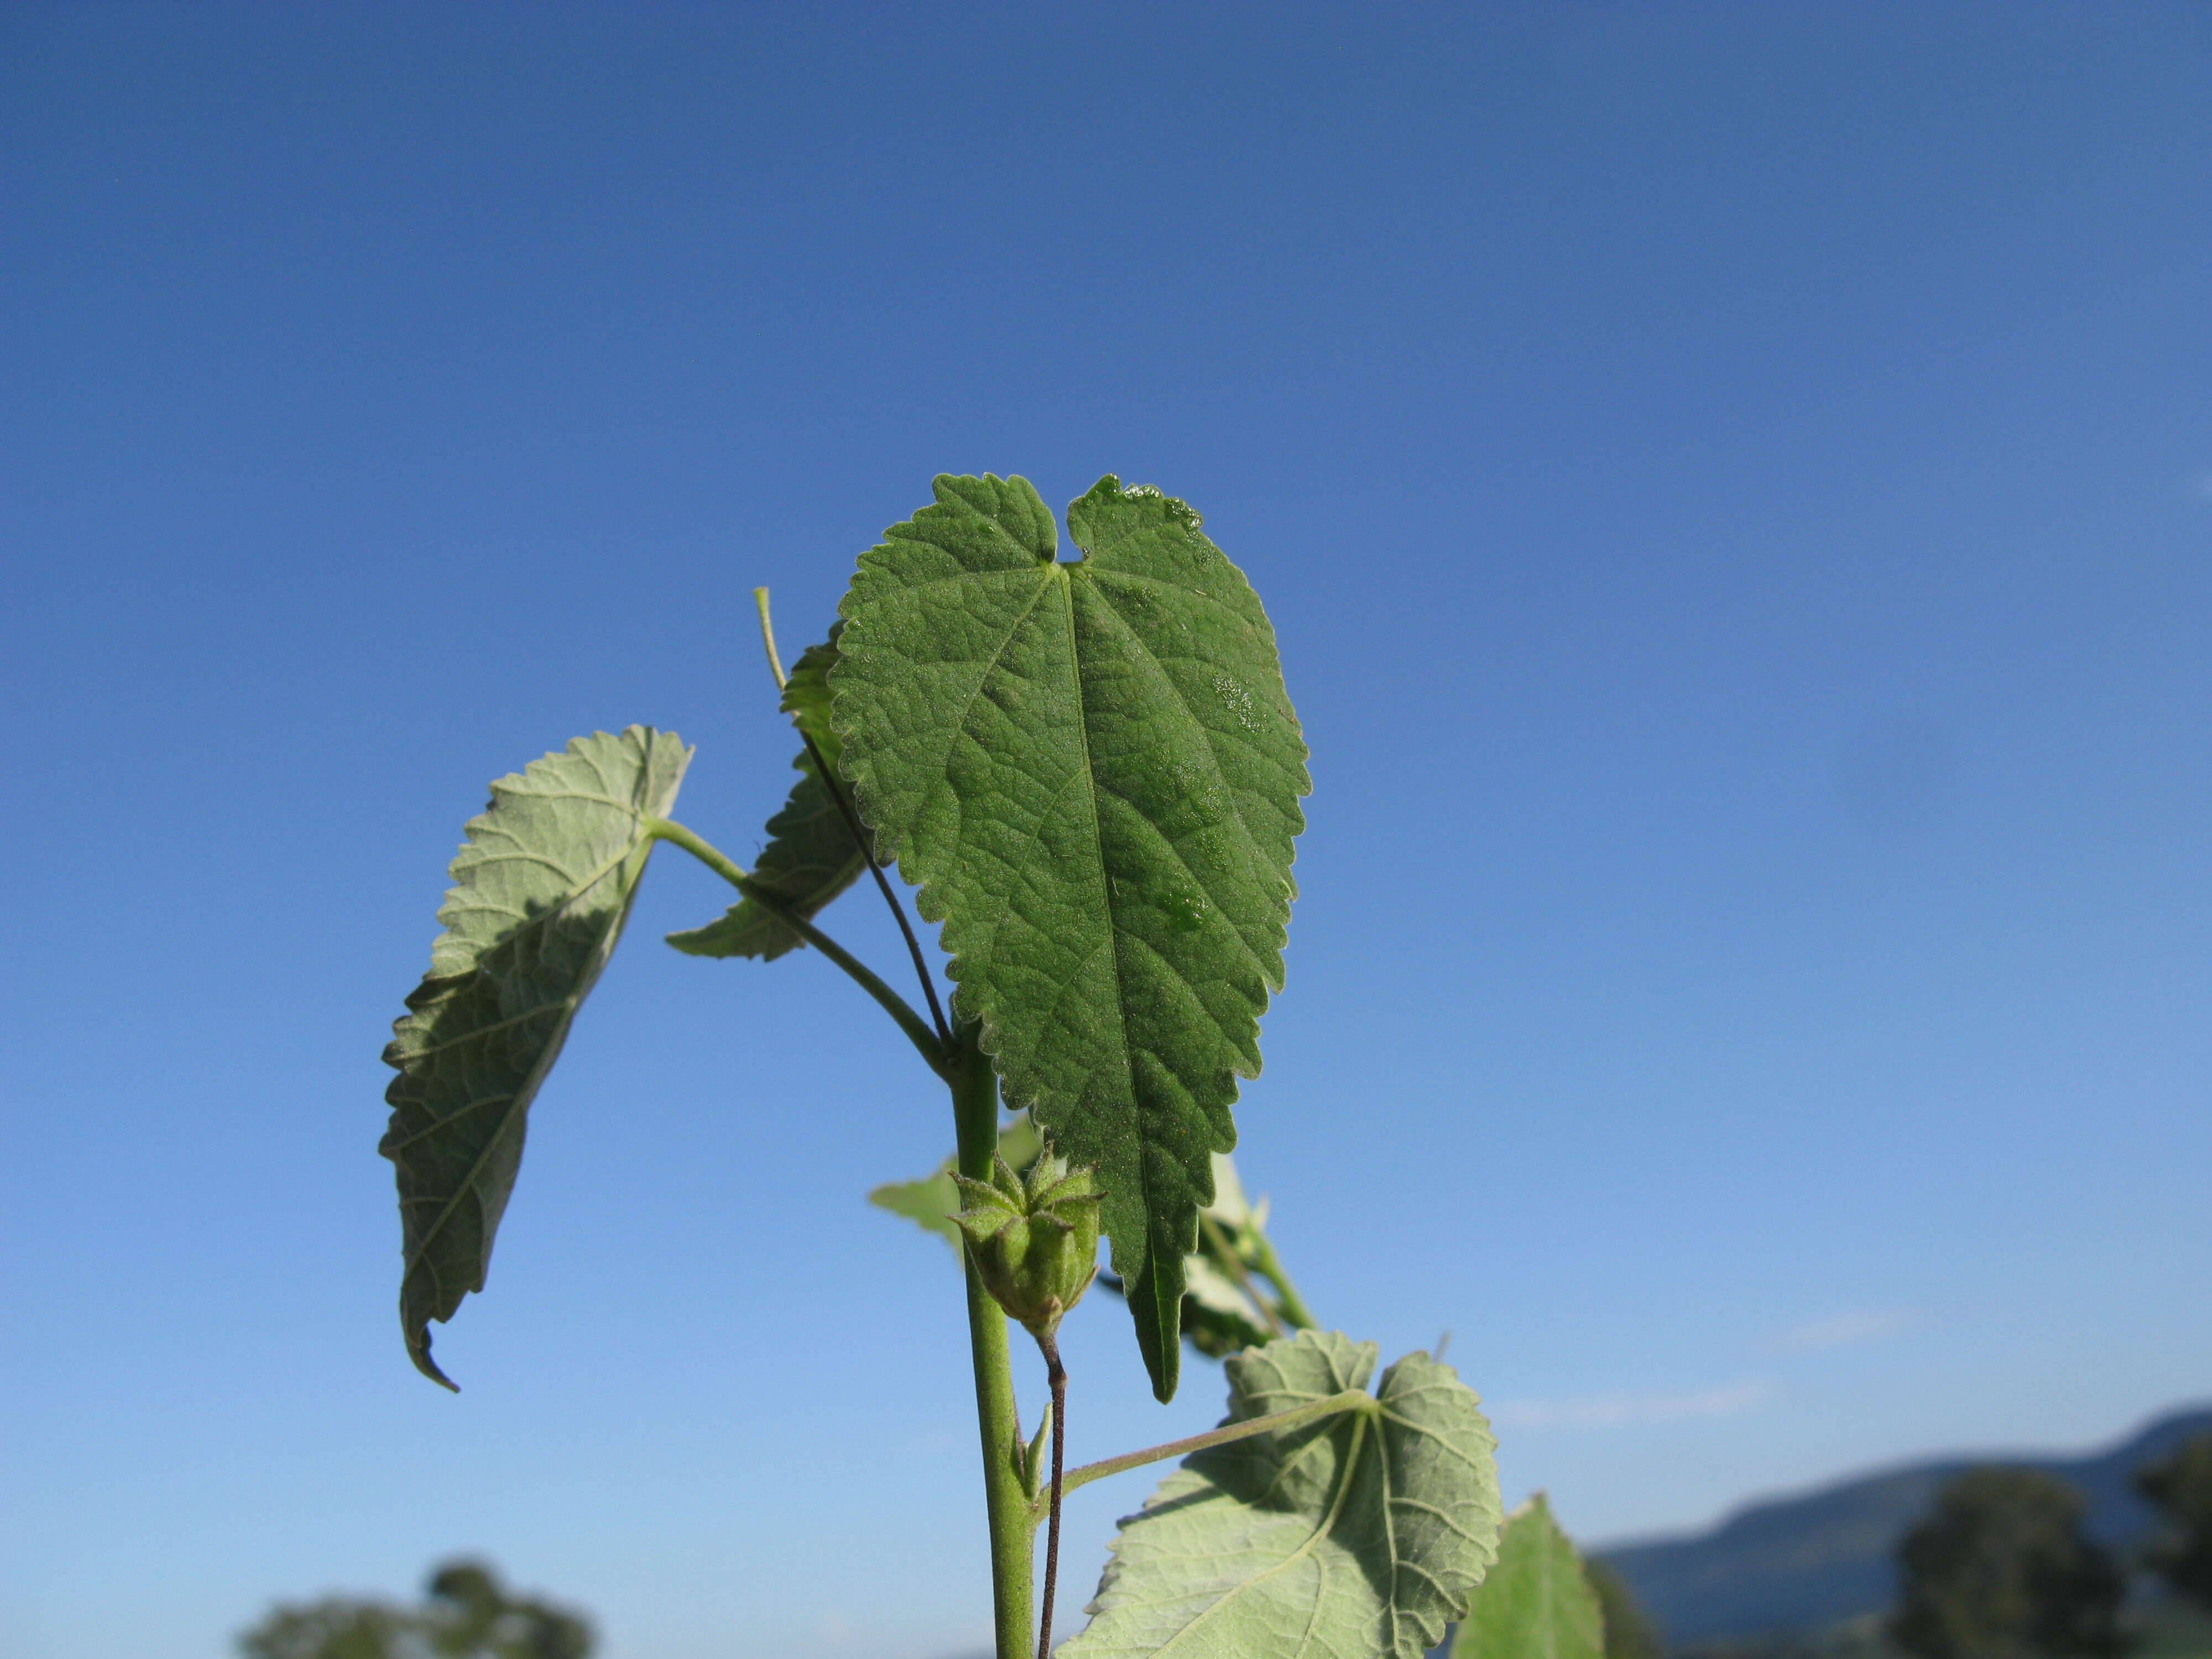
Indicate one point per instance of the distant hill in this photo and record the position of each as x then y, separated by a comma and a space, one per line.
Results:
1804, 1563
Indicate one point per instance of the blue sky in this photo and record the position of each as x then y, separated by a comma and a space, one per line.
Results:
1734, 488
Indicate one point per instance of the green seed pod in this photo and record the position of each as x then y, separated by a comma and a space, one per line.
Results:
1035, 1243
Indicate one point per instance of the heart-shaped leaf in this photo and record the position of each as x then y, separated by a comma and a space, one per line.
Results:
541, 887
1091, 770
1356, 1536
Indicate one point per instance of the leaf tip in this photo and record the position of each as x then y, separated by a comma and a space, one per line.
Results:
418, 1350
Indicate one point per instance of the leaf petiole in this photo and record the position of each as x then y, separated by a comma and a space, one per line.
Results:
767, 637
1269, 1266
828, 773
1228, 1252
916, 1029
1352, 1400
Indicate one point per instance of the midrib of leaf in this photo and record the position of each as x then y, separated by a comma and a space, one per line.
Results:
567, 1005
1112, 943
1313, 1540
1167, 1285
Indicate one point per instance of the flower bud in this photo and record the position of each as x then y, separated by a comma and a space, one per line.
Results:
1035, 1243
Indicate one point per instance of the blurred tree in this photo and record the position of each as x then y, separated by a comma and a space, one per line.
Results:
333, 1628
1999, 1569
467, 1616
2181, 1486
1629, 1632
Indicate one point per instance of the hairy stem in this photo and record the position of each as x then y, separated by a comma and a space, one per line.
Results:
892, 1003
1056, 1376
1352, 1400
1007, 1506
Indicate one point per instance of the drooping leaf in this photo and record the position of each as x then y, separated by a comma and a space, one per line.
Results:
1358, 1536
1091, 771
810, 856
1535, 1604
541, 887
929, 1203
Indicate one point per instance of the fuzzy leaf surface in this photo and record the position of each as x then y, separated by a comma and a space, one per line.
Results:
1091, 771
541, 887
809, 857
1358, 1537
1535, 1604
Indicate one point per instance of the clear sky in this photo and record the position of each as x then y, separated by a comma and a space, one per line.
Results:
1733, 487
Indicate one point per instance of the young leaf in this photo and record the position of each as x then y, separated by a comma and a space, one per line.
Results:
809, 857
1535, 1604
540, 891
1358, 1536
1091, 770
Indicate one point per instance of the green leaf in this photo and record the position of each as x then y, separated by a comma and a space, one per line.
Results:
930, 1202
1356, 1536
540, 891
1091, 770
811, 856
1216, 1317
1536, 1603
806, 695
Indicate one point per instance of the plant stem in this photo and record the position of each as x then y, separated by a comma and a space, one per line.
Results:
1013, 1522
1228, 1252
768, 636
892, 1003
1352, 1400
1056, 1376
1290, 1303
829, 781
837, 789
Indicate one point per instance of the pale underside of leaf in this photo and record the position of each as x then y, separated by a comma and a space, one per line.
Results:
1356, 1536
1535, 1604
1091, 771
811, 856
541, 887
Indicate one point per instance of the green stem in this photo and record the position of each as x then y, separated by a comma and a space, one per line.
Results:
1288, 1300
1352, 1400
1225, 1251
916, 1029
1056, 1379
1013, 1522
767, 637
828, 773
